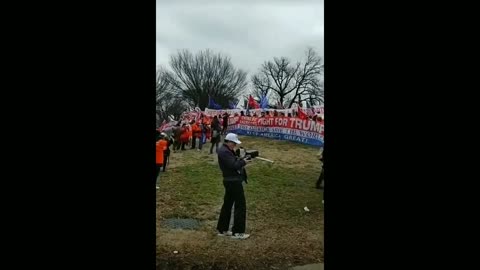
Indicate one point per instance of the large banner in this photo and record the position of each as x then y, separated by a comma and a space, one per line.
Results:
282, 128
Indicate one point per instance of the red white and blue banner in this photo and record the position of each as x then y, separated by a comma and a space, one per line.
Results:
281, 128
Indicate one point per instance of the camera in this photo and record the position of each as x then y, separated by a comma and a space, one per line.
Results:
247, 154
251, 153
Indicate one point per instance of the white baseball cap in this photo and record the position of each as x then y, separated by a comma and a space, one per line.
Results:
233, 138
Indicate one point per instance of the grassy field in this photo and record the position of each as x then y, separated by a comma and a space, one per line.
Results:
283, 234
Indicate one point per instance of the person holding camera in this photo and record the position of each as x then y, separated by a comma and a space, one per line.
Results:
233, 172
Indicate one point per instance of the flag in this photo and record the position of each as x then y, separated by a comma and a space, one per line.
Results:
301, 114
233, 104
264, 102
212, 104
252, 103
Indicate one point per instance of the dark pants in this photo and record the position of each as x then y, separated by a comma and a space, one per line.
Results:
215, 142
157, 170
233, 195
176, 145
166, 158
201, 141
320, 181
194, 141
183, 145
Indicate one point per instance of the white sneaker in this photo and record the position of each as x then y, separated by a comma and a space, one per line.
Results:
241, 236
229, 233
158, 187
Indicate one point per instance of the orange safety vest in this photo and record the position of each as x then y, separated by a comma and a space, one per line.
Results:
160, 146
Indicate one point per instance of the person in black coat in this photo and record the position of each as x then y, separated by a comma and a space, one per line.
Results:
166, 153
216, 129
225, 124
234, 174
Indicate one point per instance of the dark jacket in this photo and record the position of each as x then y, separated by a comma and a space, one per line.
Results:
225, 121
215, 127
231, 165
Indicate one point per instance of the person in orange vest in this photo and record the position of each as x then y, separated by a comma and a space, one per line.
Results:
160, 147
196, 134
190, 132
184, 136
208, 128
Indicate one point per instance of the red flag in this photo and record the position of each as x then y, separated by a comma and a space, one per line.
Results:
301, 114
252, 103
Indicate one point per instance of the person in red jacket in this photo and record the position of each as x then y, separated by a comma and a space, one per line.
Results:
160, 147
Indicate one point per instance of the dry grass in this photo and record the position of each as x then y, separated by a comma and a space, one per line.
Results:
283, 234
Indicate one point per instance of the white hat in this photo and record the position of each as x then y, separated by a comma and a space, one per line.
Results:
233, 138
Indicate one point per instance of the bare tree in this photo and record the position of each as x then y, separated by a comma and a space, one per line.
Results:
168, 102
315, 92
276, 76
289, 82
206, 74
307, 78
261, 86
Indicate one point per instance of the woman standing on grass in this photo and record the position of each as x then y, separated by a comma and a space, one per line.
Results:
216, 131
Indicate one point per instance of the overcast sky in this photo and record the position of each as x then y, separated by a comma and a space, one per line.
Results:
248, 31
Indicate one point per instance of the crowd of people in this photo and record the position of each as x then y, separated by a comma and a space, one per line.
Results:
187, 133
193, 134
